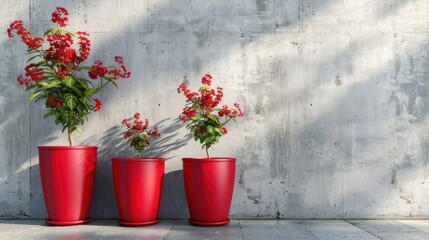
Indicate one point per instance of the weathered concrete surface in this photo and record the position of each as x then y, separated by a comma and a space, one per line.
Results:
336, 96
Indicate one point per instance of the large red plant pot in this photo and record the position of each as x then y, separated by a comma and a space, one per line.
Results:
68, 175
209, 184
138, 187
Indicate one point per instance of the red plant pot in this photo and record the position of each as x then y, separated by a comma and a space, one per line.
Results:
209, 184
68, 175
138, 187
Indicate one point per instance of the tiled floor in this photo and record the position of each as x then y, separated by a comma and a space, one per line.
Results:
237, 229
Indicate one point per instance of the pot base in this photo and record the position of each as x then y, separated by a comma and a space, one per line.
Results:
137, 224
208, 224
67, 223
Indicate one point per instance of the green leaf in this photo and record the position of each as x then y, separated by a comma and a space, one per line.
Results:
49, 31
210, 129
70, 101
48, 114
204, 88
42, 83
115, 84
52, 84
79, 130
62, 31
91, 91
34, 95
69, 81
39, 97
213, 118
218, 131
196, 118
84, 83
41, 63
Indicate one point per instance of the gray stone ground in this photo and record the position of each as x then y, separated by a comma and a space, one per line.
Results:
237, 229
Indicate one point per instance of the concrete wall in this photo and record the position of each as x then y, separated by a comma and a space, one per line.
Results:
336, 95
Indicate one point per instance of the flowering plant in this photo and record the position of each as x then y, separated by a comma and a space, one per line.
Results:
139, 134
52, 72
206, 119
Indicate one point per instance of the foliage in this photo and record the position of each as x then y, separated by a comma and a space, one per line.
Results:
206, 119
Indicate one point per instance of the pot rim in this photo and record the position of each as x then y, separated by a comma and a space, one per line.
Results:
67, 147
136, 159
214, 159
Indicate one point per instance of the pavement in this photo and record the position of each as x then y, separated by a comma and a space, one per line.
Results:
237, 229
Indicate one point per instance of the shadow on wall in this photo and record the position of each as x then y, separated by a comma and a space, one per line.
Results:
166, 19
365, 136
199, 19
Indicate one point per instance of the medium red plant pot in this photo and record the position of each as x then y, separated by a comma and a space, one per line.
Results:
68, 175
138, 187
209, 185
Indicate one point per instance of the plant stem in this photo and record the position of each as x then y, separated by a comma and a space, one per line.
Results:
207, 152
138, 154
226, 122
71, 140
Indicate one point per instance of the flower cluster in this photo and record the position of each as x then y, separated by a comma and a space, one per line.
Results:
32, 74
18, 27
207, 120
98, 70
53, 72
60, 49
138, 133
60, 16
84, 46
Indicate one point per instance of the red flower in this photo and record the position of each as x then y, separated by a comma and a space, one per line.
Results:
125, 122
224, 130
208, 98
61, 49
84, 46
187, 114
207, 79
124, 73
127, 134
24, 81
137, 127
98, 105
97, 69
54, 102
18, 26
154, 132
62, 72
137, 115
119, 60
59, 16
182, 88
225, 111
240, 113
36, 74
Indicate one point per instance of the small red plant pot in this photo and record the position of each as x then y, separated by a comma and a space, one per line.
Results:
209, 185
68, 175
138, 187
